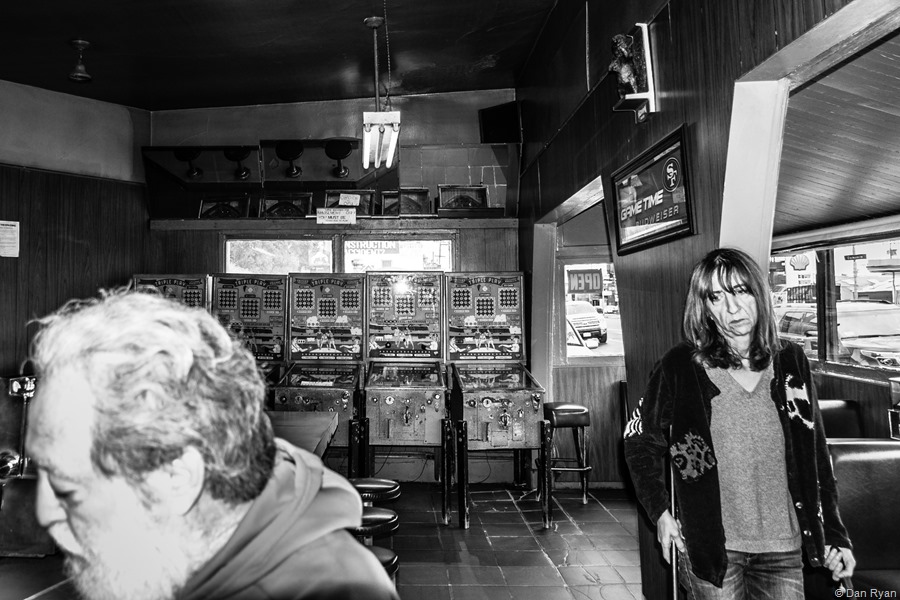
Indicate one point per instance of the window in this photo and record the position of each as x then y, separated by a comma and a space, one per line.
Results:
860, 297
361, 255
591, 311
278, 257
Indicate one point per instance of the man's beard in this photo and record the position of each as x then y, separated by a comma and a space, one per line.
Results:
140, 561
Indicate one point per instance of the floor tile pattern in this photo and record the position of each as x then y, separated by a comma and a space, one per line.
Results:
591, 552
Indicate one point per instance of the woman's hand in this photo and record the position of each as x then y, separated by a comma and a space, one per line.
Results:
840, 561
668, 530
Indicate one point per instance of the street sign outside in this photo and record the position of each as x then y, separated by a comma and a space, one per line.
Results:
854, 256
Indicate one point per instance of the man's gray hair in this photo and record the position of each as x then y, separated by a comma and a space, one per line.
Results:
166, 377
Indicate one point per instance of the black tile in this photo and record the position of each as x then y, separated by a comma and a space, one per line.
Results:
473, 575
603, 529
424, 575
420, 542
510, 517
559, 525
539, 593
480, 557
522, 558
507, 529
479, 592
412, 556
514, 543
569, 557
419, 529
424, 592
532, 576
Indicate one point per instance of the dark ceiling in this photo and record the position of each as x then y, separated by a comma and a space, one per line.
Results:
841, 157
175, 54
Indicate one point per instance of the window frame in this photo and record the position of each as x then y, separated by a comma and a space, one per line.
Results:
337, 242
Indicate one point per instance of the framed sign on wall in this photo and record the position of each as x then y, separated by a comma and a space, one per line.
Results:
652, 196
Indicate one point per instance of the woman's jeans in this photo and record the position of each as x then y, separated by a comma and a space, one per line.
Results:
749, 576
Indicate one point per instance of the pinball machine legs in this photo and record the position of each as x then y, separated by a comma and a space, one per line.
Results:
446, 475
358, 454
462, 469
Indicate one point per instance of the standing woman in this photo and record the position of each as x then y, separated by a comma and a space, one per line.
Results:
753, 475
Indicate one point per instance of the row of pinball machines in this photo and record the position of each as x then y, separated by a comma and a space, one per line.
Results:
423, 359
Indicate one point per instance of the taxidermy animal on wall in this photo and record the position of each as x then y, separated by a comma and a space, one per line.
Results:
628, 65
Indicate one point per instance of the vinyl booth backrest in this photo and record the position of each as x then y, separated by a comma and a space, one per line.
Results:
868, 480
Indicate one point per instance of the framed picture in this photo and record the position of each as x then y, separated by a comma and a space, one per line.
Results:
652, 196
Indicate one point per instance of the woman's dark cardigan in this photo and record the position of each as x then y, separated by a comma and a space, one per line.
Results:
680, 387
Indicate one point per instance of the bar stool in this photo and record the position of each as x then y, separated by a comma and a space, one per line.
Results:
388, 559
577, 417
373, 489
376, 522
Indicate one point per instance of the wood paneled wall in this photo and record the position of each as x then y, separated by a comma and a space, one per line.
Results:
78, 234
572, 136
596, 387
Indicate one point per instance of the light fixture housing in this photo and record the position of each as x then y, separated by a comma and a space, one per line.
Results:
380, 133
381, 129
79, 73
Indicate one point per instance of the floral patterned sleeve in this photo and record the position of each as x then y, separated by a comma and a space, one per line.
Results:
646, 444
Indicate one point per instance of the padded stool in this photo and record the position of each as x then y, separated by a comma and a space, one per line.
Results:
388, 559
376, 522
372, 489
577, 417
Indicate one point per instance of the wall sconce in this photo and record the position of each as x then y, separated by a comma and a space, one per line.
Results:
189, 155
289, 151
238, 155
339, 150
633, 65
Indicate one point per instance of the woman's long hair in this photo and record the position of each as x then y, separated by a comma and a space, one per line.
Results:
731, 268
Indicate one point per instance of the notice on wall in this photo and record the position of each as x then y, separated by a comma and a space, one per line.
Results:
9, 239
335, 216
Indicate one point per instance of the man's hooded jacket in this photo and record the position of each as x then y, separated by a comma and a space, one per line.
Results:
293, 544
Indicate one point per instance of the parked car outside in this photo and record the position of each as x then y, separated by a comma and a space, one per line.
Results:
576, 346
868, 331
586, 320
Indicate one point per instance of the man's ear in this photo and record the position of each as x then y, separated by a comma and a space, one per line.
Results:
177, 485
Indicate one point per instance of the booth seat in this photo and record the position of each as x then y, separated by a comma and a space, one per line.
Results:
841, 418
868, 480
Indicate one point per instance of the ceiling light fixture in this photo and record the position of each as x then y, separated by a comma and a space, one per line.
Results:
79, 73
380, 128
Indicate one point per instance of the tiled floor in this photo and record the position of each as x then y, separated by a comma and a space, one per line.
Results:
590, 553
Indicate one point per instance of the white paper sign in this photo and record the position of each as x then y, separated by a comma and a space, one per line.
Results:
9, 239
336, 216
349, 200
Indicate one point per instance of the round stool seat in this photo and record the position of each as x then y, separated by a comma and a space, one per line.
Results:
376, 522
564, 414
373, 489
388, 559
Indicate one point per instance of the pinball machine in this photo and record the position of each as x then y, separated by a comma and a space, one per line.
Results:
192, 290
405, 389
253, 308
325, 357
494, 400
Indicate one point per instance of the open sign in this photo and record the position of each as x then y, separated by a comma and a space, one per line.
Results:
585, 282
